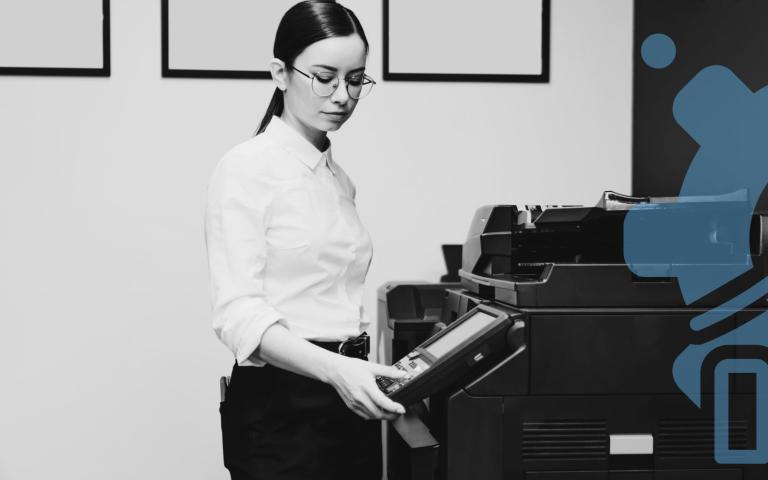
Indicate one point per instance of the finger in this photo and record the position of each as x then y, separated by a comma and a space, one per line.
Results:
385, 370
389, 416
366, 403
356, 407
399, 408
388, 371
360, 412
384, 402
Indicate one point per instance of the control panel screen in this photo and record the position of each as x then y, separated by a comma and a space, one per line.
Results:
466, 329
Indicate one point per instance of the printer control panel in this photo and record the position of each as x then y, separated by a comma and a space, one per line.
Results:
412, 364
446, 356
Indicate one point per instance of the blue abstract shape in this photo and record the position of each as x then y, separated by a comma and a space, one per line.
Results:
724, 454
687, 367
742, 300
706, 244
658, 51
702, 239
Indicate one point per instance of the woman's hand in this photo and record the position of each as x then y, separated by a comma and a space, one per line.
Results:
355, 381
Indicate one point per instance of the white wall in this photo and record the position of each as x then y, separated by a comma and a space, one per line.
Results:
108, 363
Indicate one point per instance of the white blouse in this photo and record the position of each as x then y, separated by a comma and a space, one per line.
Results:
284, 243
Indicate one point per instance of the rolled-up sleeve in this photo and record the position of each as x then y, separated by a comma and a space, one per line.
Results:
236, 219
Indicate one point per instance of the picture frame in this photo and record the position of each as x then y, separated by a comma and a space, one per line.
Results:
70, 38
487, 27
208, 39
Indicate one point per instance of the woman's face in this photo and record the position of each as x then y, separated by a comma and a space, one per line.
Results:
342, 56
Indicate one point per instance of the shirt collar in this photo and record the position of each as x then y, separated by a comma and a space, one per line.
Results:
299, 146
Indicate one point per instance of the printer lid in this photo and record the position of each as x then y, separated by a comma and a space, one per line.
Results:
569, 256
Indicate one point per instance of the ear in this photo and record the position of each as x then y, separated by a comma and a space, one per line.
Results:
279, 72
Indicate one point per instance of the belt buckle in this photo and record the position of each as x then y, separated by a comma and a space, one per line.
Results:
358, 346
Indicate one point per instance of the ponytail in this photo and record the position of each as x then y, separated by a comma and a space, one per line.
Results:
275, 108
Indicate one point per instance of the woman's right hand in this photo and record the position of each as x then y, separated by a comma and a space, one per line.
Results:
355, 381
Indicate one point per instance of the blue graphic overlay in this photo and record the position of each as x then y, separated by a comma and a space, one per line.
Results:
658, 51
702, 237
723, 452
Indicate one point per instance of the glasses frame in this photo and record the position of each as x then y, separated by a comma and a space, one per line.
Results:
366, 80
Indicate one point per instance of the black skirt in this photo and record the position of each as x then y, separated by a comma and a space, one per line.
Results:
277, 425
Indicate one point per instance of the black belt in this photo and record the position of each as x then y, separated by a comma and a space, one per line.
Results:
357, 347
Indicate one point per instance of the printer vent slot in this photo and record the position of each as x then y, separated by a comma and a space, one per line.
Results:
565, 441
696, 438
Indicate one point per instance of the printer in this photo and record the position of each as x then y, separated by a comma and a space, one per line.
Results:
581, 387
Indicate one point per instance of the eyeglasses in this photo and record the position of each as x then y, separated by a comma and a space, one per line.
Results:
325, 83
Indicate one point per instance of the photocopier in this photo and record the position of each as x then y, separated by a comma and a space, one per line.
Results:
551, 359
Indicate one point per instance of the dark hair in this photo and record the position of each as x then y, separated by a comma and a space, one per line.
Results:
302, 25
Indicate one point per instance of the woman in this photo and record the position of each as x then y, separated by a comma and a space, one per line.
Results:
288, 257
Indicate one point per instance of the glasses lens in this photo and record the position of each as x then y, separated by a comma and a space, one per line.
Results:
359, 87
324, 85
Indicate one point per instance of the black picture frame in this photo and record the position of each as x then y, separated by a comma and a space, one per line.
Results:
103, 71
169, 72
473, 77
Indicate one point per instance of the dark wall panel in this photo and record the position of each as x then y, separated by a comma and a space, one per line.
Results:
733, 33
